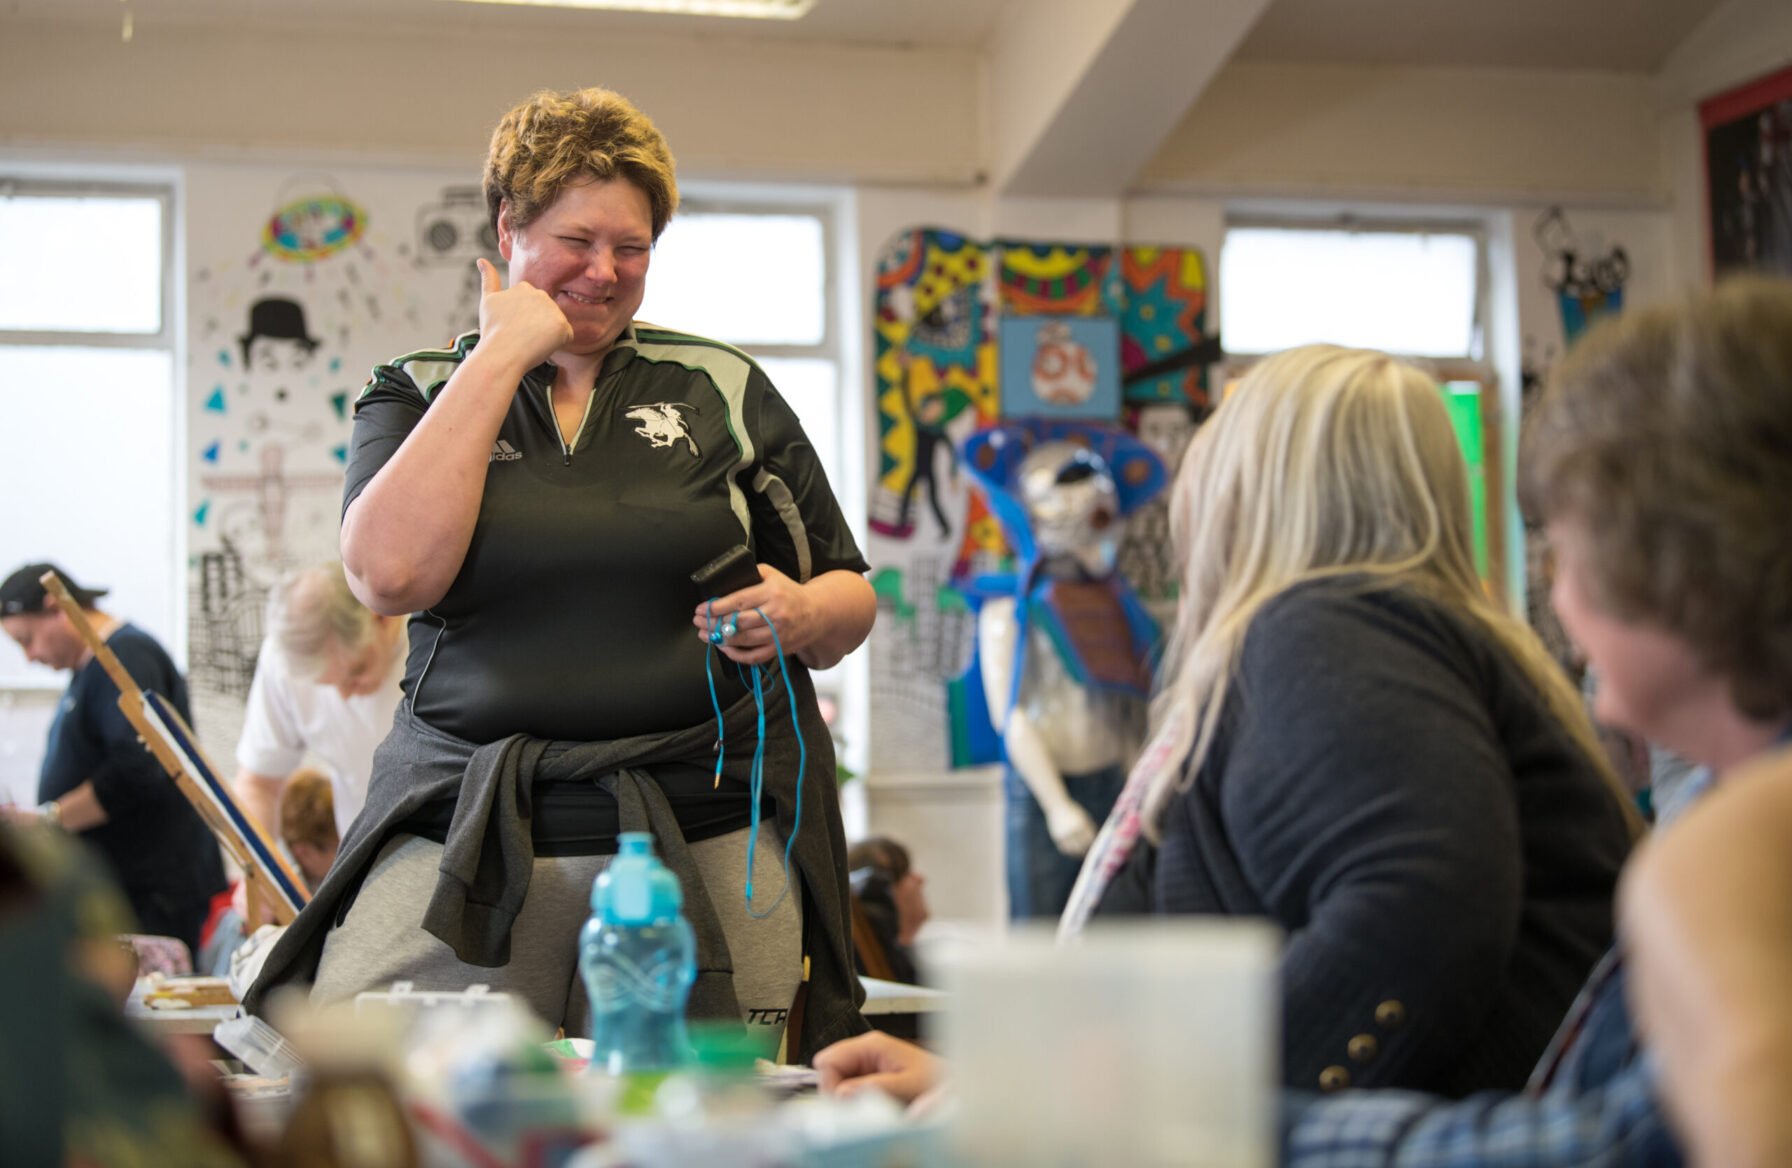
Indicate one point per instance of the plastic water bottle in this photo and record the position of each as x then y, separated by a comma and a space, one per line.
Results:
638, 957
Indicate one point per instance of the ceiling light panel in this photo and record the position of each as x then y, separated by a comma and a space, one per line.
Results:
756, 9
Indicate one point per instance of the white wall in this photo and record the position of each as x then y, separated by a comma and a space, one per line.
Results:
24, 721
1739, 41
776, 111
1483, 134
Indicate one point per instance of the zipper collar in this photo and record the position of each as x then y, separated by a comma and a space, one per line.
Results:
539, 386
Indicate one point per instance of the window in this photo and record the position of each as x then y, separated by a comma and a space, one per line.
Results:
1406, 290
87, 389
761, 275
1410, 289
758, 278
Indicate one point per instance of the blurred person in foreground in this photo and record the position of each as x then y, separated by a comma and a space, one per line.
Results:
1707, 912
80, 1085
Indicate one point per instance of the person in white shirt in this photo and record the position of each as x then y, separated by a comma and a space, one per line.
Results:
325, 685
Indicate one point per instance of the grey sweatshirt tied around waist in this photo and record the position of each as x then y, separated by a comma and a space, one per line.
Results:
488, 858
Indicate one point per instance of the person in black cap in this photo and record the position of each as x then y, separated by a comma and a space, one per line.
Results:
97, 780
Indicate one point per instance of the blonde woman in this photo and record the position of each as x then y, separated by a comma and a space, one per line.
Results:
1353, 741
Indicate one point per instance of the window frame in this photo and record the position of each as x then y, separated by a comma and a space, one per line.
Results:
166, 339
829, 348
829, 345
164, 194
1476, 366
1379, 225
847, 684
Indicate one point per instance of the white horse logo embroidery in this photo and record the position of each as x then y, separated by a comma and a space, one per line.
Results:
661, 424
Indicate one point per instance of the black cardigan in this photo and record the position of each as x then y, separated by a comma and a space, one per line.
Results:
1391, 789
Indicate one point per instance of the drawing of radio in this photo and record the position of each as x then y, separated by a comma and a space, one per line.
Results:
456, 230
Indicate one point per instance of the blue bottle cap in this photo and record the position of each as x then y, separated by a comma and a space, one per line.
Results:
636, 888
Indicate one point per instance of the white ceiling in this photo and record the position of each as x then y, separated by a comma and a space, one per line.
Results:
892, 23
1623, 35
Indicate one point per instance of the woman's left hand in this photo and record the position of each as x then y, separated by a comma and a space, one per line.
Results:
818, 622
778, 599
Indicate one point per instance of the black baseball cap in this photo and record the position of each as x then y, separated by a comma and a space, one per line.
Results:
24, 592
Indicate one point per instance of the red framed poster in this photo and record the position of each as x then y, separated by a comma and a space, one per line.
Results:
1748, 176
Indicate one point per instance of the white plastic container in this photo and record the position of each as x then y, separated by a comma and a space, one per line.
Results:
1151, 1043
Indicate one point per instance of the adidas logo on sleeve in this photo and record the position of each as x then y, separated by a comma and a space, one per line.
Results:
503, 451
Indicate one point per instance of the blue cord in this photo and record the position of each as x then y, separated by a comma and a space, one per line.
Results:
721, 737
756, 784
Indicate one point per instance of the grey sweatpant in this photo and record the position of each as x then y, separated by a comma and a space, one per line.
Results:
382, 939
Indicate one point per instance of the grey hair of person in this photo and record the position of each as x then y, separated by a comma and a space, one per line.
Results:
312, 615
1665, 440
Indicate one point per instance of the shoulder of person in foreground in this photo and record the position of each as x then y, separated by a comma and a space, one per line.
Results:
1616, 1125
58, 917
1707, 910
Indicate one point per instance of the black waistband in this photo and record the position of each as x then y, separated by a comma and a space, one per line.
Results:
578, 818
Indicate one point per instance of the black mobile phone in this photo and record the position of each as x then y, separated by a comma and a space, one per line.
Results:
729, 572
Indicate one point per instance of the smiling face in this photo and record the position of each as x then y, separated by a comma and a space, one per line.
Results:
589, 251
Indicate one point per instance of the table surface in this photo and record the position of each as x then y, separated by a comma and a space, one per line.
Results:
881, 997
893, 997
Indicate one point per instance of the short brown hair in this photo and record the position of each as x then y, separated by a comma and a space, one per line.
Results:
1665, 438
308, 811
555, 140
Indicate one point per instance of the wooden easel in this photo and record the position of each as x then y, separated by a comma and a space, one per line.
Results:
268, 879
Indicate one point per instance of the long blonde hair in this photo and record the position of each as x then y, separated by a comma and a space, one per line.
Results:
1324, 462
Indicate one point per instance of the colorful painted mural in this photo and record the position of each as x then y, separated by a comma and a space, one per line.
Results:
967, 333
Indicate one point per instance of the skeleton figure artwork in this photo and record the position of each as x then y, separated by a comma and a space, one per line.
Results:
1064, 645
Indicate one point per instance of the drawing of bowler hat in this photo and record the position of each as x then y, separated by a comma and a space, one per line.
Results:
280, 318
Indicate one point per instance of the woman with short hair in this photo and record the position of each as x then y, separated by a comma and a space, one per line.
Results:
539, 494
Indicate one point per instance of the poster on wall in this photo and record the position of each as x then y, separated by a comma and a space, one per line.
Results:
1585, 267
967, 333
1053, 367
1748, 176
